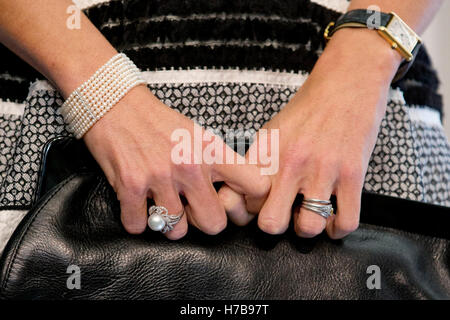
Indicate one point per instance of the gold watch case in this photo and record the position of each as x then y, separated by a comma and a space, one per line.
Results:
400, 36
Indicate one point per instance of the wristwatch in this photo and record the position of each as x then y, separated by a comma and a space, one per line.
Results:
391, 27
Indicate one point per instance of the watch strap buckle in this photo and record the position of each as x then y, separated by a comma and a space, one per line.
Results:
327, 32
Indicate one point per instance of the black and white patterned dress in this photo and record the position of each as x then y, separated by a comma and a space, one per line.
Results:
227, 64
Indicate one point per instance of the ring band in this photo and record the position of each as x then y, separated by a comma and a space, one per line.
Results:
160, 220
321, 207
317, 201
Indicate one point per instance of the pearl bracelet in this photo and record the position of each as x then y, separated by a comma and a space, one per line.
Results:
90, 102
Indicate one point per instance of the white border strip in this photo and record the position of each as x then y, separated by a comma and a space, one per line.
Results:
84, 4
7, 107
40, 85
225, 76
396, 95
424, 115
336, 5
210, 16
218, 43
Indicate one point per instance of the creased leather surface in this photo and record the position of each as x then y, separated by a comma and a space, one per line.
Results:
77, 222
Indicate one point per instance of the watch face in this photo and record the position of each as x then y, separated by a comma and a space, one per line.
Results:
402, 33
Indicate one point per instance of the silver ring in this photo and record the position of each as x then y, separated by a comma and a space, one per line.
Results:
317, 201
321, 207
160, 220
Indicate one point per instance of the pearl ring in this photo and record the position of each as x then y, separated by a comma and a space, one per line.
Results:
160, 220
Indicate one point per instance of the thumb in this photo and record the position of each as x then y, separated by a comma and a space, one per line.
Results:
244, 178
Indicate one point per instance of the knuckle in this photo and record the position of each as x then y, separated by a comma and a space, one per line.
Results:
241, 220
161, 175
351, 172
296, 154
309, 229
325, 165
177, 233
134, 229
271, 226
215, 227
190, 169
133, 226
229, 198
347, 226
132, 183
293, 159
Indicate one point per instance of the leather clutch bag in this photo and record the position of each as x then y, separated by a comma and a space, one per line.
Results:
400, 251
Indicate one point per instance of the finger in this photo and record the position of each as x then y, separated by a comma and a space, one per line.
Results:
205, 210
235, 206
170, 199
309, 224
188, 214
244, 178
348, 211
133, 212
277, 210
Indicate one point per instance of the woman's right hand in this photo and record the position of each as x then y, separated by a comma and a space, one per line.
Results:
132, 144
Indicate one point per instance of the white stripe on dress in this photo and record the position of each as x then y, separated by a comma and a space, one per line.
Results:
425, 115
84, 4
40, 85
9, 220
218, 43
336, 5
396, 96
14, 108
209, 16
225, 76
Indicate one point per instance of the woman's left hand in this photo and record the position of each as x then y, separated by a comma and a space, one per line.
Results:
327, 134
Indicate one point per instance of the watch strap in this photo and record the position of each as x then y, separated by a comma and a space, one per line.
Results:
358, 18
406, 65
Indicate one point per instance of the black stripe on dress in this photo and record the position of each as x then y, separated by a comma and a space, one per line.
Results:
244, 57
140, 33
13, 90
11, 64
422, 96
135, 9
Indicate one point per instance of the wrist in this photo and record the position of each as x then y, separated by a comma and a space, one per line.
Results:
360, 53
69, 73
96, 96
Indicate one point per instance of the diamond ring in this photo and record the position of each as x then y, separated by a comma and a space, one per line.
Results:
321, 207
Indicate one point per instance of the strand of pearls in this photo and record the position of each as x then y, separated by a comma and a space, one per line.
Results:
90, 102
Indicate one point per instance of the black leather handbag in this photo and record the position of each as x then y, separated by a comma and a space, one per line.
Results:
402, 245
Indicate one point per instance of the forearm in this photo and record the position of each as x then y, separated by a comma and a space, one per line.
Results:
37, 31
